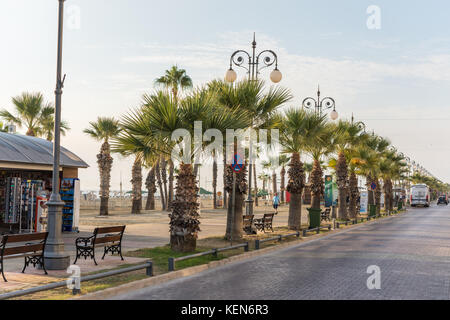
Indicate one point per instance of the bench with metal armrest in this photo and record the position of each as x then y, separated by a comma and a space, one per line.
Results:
264, 223
33, 252
110, 238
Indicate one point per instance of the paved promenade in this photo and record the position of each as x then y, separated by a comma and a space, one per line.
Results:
411, 250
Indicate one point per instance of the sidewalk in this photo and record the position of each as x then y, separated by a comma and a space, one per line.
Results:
147, 230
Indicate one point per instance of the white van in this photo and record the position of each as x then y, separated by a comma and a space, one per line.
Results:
420, 195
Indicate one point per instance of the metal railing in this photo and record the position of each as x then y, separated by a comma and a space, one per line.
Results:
279, 238
317, 230
200, 254
148, 266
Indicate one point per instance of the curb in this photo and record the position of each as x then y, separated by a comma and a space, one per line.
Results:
156, 280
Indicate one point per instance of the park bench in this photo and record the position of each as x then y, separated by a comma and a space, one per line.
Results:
33, 252
110, 238
325, 215
265, 222
247, 224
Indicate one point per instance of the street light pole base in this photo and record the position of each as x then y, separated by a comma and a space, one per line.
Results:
57, 263
249, 207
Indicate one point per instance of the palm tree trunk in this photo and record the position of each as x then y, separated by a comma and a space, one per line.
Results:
342, 178
295, 187
354, 195
104, 161
164, 180
136, 181
214, 183
184, 223
370, 193
255, 180
234, 223
151, 188
171, 178
283, 183
274, 182
378, 195
224, 180
161, 192
317, 185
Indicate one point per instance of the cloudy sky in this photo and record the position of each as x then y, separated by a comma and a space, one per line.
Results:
395, 78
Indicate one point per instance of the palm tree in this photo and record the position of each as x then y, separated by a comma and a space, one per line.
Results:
162, 117
348, 137
259, 108
321, 145
102, 130
174, 80
48, 128
3, 128
33, 113
298, 131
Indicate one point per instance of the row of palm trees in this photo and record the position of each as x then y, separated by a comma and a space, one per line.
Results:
145, 133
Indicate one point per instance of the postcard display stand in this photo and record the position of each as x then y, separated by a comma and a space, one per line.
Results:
70, 194
20, 206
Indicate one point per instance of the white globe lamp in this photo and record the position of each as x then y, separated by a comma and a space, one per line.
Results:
334, 115
276, 76
230, 76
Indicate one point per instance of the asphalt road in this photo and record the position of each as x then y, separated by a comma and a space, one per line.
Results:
411, 251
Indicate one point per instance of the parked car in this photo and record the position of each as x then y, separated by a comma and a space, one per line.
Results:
420, 195
442, 200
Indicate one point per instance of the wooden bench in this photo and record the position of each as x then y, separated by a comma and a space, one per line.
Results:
265, 222
325, 215
247, 224
33, 252
110, 238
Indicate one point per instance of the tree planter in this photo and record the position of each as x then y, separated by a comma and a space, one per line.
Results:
314, 217
372, 210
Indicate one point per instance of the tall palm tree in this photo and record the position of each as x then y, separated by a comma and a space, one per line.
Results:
32, 112
260, 107
320, 146
174, 80
48, 128
162, 119
102, 130
348, 136
298, 131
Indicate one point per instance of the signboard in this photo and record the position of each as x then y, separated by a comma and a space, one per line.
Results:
364, 201
237, 164
328, 191
335, 194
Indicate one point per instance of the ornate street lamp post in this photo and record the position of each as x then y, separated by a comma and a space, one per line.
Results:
55, 257
321, 105
360, 124
256, 62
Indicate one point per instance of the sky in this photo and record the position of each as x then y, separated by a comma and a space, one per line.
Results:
389, 67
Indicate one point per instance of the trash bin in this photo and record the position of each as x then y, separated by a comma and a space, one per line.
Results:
372, 210
400, 205
314, 217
